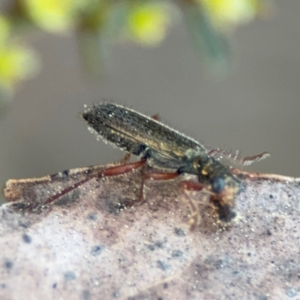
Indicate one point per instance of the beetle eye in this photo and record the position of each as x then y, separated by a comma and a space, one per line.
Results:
217, 184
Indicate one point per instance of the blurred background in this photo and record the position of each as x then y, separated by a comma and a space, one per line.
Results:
246, 97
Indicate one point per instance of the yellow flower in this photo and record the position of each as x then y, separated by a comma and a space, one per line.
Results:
16, 63
230, 12
55, 15
147, 24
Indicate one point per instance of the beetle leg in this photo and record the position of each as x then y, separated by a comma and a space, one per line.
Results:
149, 176
185, 185
122, 169
112, 171
191, 186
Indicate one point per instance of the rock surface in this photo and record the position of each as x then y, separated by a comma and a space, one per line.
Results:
85, 245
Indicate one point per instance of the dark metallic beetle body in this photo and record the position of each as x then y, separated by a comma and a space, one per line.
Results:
164, 147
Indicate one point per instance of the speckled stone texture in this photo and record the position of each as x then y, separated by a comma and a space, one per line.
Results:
87, 246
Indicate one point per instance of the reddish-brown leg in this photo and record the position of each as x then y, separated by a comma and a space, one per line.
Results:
112, 171
123, 169
191, 185
160, 176
184, 185
148, 176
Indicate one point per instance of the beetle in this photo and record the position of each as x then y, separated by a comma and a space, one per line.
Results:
160, 146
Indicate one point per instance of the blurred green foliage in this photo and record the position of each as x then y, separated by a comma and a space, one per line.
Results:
99, 23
